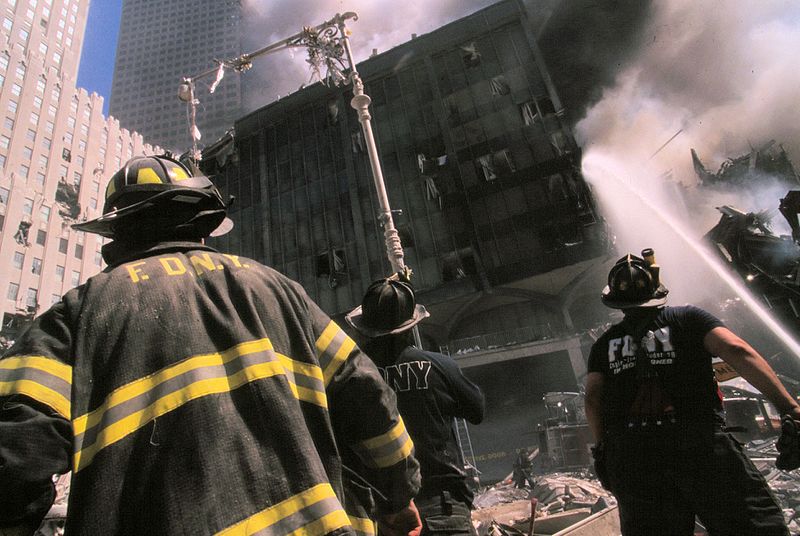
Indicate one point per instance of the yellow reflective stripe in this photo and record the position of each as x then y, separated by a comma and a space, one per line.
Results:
331, 357
43, 379
51, 366
297, 510
386, 449
339, 357
148, 176
363, 525
327, 524
313, 372
133, 422
39, 393
138, 387
327, 336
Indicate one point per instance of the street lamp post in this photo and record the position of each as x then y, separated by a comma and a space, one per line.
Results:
328, 46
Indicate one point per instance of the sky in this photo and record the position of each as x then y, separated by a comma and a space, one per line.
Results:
99, 47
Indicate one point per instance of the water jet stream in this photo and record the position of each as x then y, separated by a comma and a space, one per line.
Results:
597, 169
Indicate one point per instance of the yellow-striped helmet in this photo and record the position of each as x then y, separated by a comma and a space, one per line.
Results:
157, 197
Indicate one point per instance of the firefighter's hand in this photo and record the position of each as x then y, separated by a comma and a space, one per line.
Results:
788, 444
600, 465
406, 522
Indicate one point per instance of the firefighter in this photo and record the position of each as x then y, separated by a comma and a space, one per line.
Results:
431, 393
191, 391
655, 411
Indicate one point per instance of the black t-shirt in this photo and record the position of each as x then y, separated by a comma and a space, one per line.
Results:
431, 391
681, 364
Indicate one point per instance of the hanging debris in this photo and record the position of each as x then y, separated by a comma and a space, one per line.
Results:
21, 236
67, 201
767, 160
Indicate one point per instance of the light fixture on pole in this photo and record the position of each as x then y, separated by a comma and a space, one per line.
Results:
328, 47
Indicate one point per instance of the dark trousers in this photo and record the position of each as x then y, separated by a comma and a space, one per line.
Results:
664, 478
443, 514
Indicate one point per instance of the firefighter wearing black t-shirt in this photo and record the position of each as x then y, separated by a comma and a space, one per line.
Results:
431, 392
655, 411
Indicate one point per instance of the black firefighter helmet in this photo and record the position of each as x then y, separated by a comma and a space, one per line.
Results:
157, 197
635, 282
389, 307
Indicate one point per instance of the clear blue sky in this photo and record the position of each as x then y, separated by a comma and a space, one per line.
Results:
99, 47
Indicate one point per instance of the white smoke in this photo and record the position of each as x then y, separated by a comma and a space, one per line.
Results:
724, 74
381, 25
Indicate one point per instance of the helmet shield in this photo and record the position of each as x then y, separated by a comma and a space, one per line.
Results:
633, 283
158, 197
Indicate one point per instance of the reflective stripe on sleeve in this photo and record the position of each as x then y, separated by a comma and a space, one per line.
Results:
313, 511
386, 449
333, 348
363, 526
132, 406
44, 379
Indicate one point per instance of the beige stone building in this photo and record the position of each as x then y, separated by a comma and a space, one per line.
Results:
57, 151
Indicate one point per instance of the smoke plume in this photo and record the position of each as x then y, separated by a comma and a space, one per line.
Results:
381, 25
723, 76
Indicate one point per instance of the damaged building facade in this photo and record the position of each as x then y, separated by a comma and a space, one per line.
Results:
57, 151
494, 216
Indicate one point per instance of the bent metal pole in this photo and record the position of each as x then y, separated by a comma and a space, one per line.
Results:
360, 102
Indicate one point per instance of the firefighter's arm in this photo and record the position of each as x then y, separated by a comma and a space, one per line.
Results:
594, 402
35, 431
735, 351
363, 412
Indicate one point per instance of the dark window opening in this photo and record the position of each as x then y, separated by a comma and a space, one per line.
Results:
66, 154
41, 237
545, 105
499, 86
471, 56
459, 264
62, 245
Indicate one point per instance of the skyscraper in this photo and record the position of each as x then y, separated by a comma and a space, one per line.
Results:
56, 152
159, 43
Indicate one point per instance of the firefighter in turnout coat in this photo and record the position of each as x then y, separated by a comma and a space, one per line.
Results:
655, 411
193, 392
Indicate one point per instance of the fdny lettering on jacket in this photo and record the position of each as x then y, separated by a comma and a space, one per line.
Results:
407, 376
174, 266
622, 350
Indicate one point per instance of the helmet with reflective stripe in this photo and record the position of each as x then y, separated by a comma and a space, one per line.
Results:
158, 197
634, 282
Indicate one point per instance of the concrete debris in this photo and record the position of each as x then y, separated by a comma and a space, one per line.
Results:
561, 500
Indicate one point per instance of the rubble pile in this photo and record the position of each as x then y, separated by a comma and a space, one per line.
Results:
784, 485
560, 501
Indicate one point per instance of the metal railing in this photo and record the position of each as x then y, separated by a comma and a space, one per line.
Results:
490, 341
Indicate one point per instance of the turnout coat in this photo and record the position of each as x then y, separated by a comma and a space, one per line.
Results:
194, 392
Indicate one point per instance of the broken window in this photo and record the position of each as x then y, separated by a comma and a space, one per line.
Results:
545, 105
458, 264
333, 112
357, 142
471, 56
529, 112
66, 154
67, 200
559, 142
31, 301
406, 237
332, 265
495, 164
21, 236
36, 266
499, 86
432, 192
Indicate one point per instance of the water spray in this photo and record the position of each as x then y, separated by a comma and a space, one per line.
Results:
597, 168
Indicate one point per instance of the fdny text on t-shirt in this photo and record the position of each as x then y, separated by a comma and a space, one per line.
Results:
407, 376
622, 351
